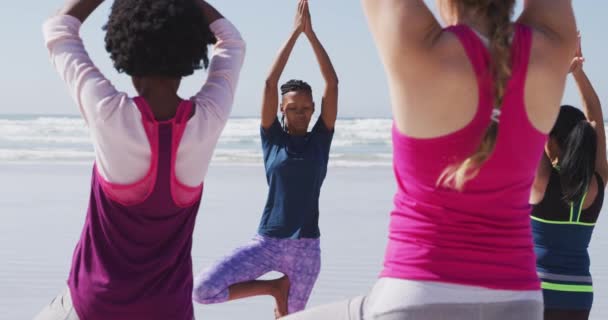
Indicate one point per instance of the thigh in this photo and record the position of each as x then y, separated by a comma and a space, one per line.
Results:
302, 274
245, 263
513, 310
428, 312
344, 310
390, 300
516, 310
567, 300
60, 308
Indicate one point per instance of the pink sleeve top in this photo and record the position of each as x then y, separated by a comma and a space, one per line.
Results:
122, 150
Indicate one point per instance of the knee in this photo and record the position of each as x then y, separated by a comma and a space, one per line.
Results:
206, 292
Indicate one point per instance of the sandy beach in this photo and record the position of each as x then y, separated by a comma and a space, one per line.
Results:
43, 208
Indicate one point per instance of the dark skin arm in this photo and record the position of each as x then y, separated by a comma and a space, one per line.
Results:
270, 103
80, 9
210, 13
329, 105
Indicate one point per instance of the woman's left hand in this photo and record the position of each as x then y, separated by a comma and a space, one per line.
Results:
578, 60
307, 20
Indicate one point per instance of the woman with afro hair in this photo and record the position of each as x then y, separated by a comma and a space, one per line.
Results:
295, 160
133, 260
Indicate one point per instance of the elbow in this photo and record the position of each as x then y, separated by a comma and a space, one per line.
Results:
242, 45
271, 83
236, 37
333, 82
230, 40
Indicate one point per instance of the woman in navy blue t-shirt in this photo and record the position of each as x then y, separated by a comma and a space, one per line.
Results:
296, 164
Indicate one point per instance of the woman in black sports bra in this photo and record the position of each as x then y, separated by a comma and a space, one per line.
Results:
567, 198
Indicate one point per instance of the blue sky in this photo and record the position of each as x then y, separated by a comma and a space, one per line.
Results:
31, 86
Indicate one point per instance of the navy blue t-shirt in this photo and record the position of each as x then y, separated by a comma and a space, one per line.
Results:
295, 169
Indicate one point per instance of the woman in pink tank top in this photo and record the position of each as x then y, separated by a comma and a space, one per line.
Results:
468, 133
133, 260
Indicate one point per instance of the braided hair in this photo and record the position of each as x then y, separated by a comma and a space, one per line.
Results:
499, 13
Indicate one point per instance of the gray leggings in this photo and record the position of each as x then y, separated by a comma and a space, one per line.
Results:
60, 308
356, 309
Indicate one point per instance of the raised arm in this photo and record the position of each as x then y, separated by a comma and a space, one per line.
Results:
402, 29
95, 96
216, 97
329, 104
270, 101
554, 19
80, 9
593, 110
210, 13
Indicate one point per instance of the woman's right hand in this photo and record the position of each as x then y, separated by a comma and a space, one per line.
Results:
300, 20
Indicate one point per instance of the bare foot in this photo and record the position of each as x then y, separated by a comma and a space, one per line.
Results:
281, 293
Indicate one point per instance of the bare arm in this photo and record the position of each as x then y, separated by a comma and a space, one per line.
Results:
553, 46
593, 110
210, 13
329, 105
543, 173
555, 22
554, 18
402, 29
270, 101
80, 9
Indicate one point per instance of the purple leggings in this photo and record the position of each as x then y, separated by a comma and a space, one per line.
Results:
298, 259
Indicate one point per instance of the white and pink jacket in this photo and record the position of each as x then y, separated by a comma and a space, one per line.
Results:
122, 149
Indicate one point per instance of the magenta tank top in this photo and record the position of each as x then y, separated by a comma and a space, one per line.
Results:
133, 259
480, 236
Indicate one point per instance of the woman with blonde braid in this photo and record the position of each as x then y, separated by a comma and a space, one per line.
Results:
460, 245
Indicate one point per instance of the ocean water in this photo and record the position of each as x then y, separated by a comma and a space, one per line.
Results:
65, 139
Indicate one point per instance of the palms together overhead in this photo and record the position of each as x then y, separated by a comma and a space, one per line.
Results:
303, 21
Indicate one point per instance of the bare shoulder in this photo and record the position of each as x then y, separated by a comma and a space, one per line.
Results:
546, 79
445, 69
444, 53
539, 187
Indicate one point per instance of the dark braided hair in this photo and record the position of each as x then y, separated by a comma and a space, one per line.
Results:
158, 38
295, 85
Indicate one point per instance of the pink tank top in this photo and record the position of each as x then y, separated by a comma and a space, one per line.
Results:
480, 236
133, 259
